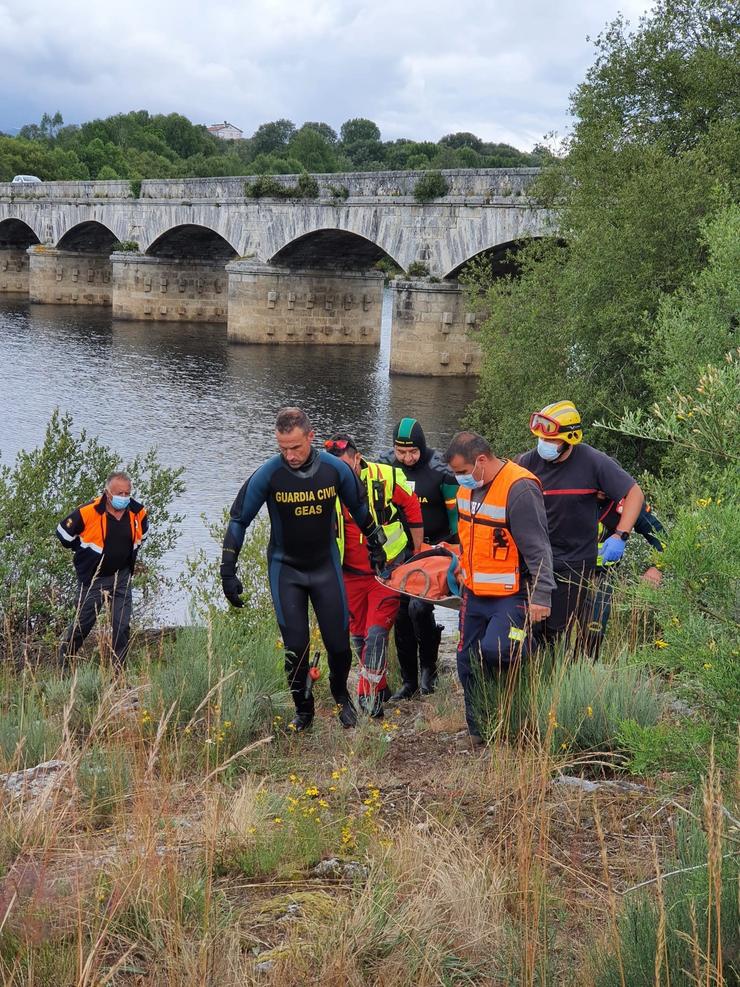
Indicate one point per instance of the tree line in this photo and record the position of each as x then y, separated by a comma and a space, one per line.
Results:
140, 145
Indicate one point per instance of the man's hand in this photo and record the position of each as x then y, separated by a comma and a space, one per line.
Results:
537, 612
613, 549
653, 576
377, 556
232, 588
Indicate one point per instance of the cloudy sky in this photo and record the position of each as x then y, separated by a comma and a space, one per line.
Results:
420, 68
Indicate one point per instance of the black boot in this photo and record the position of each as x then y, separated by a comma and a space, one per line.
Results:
407, 691
428, 681
428, 653
347, 713
372, 706
301, 721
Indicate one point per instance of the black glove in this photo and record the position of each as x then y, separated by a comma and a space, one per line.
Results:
375, 541
232, 586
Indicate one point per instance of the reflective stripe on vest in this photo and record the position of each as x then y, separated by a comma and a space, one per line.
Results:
95, 526
396, 539
489, 556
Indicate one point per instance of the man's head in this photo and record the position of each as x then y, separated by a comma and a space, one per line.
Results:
343, 447
409, 442
471, 459
294, 435
118, 489
557, 427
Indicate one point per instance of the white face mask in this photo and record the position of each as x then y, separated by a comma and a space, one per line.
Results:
548, 450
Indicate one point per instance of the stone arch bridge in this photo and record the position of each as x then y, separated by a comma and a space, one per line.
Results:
277, 269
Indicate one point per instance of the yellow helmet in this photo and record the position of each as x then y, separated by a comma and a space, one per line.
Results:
559, 420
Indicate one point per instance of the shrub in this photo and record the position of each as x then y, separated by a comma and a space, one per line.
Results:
264, 187
306, 187
127, 246
135, 188
417, 269
583, 706
574, 706
104, 780
27, 737
246, 663
88, 682
431, 185
338, 191
690, 933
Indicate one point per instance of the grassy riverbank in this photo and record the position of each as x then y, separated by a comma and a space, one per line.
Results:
185, 836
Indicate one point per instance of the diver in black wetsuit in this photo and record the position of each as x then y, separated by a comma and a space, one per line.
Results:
300, 487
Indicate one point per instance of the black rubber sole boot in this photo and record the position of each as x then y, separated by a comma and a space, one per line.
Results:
347, 714
301, 722
372, 706
428, 681
404, 693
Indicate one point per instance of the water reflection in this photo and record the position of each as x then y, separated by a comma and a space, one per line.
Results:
203, 403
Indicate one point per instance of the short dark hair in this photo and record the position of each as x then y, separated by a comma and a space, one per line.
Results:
290, 418
469, 445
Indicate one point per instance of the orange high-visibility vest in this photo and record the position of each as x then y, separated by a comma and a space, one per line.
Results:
489, 558
95, 525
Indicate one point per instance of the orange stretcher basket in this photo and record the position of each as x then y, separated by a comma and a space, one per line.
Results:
429, 575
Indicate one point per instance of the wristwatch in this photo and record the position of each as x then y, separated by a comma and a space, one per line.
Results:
624, 535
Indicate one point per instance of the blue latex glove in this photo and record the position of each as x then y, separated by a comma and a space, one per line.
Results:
613, 549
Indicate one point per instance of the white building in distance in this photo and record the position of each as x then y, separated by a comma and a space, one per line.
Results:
226, 131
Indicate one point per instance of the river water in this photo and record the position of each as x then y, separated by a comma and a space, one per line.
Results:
201, 402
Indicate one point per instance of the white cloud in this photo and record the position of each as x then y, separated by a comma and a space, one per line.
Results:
420, 68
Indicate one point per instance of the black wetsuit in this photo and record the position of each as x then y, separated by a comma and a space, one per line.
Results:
417, 634
303, 557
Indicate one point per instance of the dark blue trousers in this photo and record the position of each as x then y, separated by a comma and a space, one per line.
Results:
486, 646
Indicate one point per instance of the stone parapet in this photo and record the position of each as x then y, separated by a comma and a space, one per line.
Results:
63, 277
462, 182
14, 266
434, 332
280, 305
168, 290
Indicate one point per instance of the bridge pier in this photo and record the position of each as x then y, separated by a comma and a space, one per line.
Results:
65, 277
433, 331
13, 269
285, 305
168, 289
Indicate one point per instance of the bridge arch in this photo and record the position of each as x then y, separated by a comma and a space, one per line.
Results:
500, 256
90, 237
189, 241
16, 234
332, 249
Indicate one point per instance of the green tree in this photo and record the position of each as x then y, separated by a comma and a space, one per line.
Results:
359, 129
630, 202
313, 151
271, 137
462, 139
323, 129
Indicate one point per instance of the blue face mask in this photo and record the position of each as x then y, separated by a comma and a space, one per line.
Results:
468, 480
547, 451
119, 503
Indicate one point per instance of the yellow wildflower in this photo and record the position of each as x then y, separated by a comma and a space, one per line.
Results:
589, 711
312, 791
707, 665
277, 820
323, 803
336, 775
660, 643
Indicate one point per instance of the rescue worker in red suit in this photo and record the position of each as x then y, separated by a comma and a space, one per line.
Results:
372, 608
